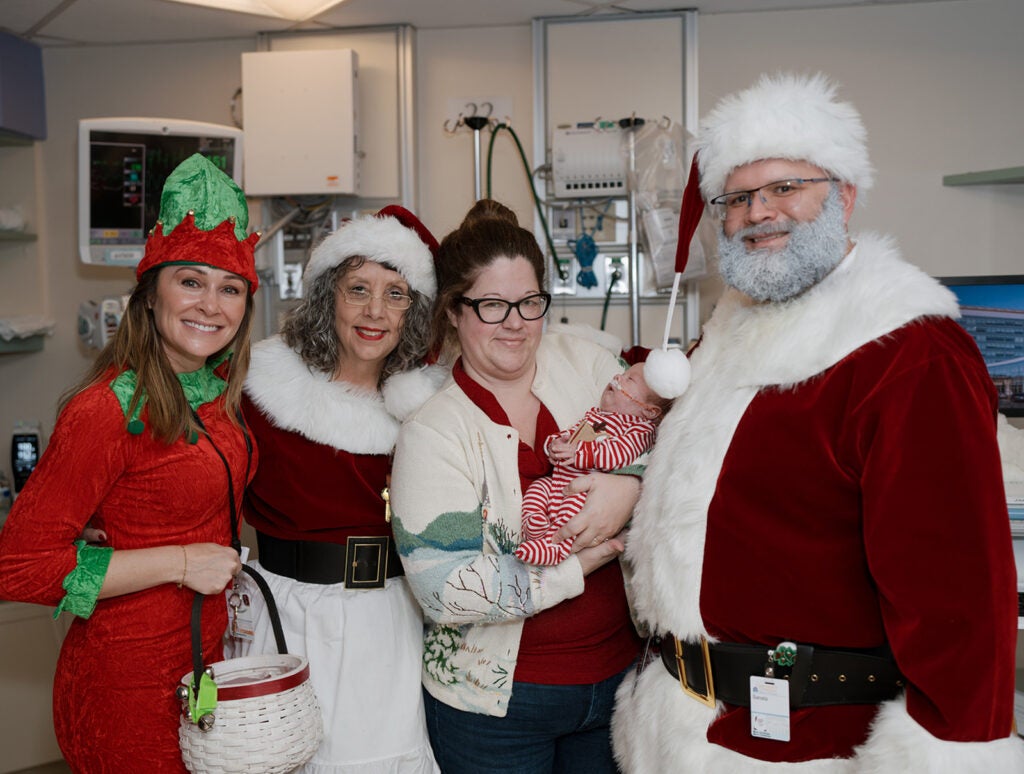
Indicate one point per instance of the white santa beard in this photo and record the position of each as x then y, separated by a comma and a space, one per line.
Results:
813, 250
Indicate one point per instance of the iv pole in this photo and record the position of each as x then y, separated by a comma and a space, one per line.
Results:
476, 122
630, 125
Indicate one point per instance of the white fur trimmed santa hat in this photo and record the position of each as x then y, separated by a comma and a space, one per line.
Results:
393, 236
783, 116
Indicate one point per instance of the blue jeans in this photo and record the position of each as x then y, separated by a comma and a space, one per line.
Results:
549, 729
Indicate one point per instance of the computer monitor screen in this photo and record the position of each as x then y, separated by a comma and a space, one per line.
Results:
992, 311
122, 166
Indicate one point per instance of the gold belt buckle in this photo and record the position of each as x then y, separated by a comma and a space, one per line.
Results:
707, 699
366, 562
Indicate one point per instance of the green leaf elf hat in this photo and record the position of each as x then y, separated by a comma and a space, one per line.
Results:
203, 220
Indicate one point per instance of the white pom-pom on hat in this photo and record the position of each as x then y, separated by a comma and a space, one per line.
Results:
667, 372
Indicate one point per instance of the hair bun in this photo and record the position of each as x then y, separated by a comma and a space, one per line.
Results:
489, 209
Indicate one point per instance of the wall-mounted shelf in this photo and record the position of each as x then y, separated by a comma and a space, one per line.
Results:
16, 236
1005, 176
29, 344
13, 138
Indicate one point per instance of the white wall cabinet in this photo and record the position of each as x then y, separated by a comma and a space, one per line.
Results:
29, 641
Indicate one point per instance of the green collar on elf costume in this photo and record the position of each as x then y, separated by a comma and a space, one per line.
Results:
201, 386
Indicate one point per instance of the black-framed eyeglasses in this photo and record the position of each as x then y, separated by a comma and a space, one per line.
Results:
772, 194
393, 299
496, 310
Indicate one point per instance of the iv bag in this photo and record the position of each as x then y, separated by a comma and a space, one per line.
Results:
662, 164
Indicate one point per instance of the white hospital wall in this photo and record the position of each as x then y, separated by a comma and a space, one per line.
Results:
937, 83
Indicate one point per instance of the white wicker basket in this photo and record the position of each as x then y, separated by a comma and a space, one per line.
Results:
267, 719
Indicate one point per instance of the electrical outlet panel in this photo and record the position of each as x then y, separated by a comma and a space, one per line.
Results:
612, 265
563, 224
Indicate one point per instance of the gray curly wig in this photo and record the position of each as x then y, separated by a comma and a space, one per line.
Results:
309, 327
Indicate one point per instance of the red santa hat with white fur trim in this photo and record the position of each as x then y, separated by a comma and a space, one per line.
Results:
783, 116
393, 236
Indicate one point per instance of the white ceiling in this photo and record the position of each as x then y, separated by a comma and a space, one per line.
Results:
105, 22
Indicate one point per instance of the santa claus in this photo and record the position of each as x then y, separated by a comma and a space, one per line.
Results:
822, 549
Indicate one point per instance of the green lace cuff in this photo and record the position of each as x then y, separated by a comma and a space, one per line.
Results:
83, 583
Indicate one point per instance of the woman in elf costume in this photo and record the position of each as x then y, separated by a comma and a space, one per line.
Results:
147, 450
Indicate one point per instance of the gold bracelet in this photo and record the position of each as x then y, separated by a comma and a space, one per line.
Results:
184, 569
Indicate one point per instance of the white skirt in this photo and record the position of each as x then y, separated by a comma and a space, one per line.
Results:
365, 651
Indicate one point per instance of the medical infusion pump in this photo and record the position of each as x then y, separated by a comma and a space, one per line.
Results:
97, 322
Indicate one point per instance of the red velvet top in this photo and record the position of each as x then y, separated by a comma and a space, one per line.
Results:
866, 494
582, 640
305, 490
114, 702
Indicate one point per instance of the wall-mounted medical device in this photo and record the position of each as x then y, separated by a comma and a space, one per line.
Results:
98, 321
588, 162
299, 110
122, 166
26, 447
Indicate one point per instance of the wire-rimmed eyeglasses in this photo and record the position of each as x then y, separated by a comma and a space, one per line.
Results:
496, 310
772, 194
393, 299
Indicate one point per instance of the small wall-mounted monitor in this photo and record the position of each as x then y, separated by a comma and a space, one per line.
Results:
122, 166
992, 311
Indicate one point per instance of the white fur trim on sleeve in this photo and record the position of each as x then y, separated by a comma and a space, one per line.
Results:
404, 393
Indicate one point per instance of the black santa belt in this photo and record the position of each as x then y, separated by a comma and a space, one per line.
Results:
817, 677
359, 563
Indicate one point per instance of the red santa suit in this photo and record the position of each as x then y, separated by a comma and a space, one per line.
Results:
832, 478
325, 448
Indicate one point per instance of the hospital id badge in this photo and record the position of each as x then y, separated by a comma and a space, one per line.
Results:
241, 623
769, 708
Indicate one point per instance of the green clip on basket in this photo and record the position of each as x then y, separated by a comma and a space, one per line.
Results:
250, 715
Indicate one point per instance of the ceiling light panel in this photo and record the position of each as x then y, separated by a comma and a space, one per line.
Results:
295, 10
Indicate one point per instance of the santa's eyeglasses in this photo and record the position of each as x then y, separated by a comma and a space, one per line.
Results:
772, 195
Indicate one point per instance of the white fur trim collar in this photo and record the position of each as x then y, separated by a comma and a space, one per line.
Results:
748, 346
335, 414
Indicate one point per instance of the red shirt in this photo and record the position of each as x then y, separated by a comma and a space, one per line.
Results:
582, 640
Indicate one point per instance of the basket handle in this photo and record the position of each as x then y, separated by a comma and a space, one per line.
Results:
197, 635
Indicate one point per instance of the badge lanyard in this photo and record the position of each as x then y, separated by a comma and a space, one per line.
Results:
236, 541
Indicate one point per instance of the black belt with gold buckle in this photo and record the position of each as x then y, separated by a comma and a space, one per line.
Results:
818, 676
359, 563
